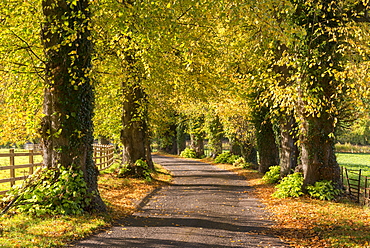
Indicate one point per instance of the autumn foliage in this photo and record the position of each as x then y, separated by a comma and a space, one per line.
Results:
307, 222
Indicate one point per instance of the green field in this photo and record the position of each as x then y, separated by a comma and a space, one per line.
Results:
18, 172
355, 161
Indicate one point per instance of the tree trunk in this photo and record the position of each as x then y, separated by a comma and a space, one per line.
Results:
197, 144
267, 148
323, 93
168, 142
180, 137
134, 134
289, 150
196, 132
104, 140
249, 153
318, 155
215, 134
67, 129
235, 146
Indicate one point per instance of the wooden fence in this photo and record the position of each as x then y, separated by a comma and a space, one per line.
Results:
103, 158
357, 185
12, 166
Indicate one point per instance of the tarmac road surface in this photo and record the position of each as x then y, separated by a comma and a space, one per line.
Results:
204, 207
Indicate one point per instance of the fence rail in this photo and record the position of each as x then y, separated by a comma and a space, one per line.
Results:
103, 158
357, 185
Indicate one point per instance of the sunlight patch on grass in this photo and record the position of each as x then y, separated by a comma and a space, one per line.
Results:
22, 230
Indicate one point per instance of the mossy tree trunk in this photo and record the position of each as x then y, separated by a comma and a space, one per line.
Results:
168, 141
67, 129
323, 92
197, 135
134, 133
181, 137
266, 144
215, 134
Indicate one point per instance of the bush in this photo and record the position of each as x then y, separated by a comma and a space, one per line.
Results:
140, 170
323, 190
52, 191
241, 162
226, 158
290, 186
188, 153
273, 175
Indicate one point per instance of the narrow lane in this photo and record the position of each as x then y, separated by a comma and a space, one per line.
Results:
204, 207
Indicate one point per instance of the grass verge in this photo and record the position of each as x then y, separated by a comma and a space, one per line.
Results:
306, 222
120, 194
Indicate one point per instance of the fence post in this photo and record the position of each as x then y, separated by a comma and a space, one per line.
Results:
348, 182
359, 186
31, 161
94, 156
365, 193
101, 160
11, 163
105, 156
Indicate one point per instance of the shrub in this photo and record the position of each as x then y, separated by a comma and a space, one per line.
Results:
52, 191
273, 175
142, 170
323, 190
241, 162
226, 158
290, 186
188, 153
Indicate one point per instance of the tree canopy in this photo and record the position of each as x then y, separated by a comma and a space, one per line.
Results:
256, 70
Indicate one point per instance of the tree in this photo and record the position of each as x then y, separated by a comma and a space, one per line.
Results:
322, 86
67, 129
134, 134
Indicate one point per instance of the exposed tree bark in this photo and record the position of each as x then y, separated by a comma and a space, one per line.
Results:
67, 129
289, 150
318, 154
134, 134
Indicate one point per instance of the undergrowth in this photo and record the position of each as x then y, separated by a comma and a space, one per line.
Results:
226, 158
308, 222
51, 230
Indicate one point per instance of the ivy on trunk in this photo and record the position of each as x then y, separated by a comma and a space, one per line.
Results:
67, 129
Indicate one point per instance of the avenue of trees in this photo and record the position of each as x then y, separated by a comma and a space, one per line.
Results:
281, 79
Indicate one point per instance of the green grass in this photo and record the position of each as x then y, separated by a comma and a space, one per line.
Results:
23, 230
18, 172
355, 162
